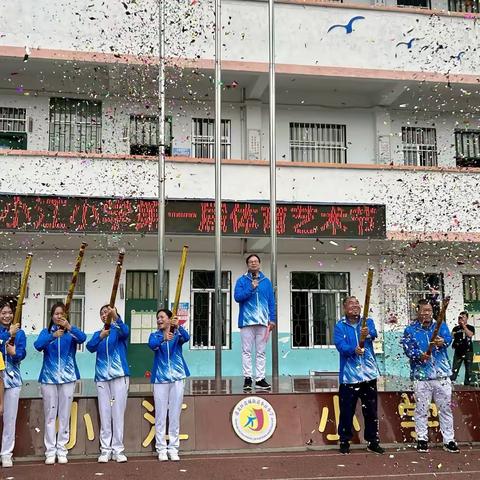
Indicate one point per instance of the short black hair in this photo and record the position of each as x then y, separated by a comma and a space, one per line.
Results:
168, 312
465, 313
253, 255
423, 301
52, 311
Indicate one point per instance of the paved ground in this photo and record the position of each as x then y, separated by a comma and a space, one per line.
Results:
311, 465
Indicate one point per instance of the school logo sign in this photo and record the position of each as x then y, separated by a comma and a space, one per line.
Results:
254, 420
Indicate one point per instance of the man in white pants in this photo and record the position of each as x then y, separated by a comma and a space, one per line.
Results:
254, 293
431, 376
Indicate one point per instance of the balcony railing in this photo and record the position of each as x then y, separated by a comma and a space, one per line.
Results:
469, 6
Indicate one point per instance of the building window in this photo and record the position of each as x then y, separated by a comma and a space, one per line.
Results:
142, 289
419, 146
318, 143
144, 135
56, 289
13, 128
472, 6
203, 308
316, 305
203, 144
471, 288
467, 148
424, 285
10, 284
75, 125
414, 3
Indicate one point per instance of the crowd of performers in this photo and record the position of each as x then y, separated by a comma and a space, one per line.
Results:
430, 370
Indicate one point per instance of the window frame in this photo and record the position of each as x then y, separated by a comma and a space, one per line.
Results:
65, 120
425, 293
310, 291
207, 141
136, 119
460, 159
228, 308
317, 150
416, 150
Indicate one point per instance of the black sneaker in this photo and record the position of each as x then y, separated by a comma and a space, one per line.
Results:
247, 384
344, 448
451, 447
375, 448
262, 384
422, 446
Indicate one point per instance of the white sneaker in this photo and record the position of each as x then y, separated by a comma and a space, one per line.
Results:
104, 457
62, 459
174, 456
120, 458
7, 462
163, 457
49, 460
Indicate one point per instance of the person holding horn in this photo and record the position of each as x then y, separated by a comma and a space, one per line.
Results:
112, 380
13, 349
425, 343
358, 374
58, 343
168, 377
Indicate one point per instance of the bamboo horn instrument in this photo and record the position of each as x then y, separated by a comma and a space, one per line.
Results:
181, 272
440, 320
73, 282
366, 305
17, 319
116, 282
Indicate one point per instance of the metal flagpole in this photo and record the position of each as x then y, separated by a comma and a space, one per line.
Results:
161, 154
218, 198
273, 181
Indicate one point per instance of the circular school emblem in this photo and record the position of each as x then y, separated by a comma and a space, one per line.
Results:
254, 420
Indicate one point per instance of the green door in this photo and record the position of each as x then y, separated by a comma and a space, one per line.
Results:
140, 310
140, 357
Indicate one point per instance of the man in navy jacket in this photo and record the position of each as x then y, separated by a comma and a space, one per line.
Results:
358, 376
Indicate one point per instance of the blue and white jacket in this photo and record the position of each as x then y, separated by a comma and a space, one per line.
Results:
355, 368
415, 341
59, 364
12, 377
111, 351
257, 305
168, 363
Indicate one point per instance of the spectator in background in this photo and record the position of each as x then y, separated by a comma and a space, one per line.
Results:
463, 346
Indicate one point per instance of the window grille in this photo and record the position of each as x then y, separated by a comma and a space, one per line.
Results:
75, 125
203, 136
318, 143
419, 146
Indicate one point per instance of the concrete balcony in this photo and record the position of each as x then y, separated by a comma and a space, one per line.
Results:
387, 42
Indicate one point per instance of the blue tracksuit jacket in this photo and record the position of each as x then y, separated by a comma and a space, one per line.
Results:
12, 377
111, 352
59, 364
355, 368
168, 363
415, 342
257, 305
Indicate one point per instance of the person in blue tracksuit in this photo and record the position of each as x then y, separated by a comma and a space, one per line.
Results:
13, 355
112, 380
358, 375
58, 375
430, 375
168, 378
254, 294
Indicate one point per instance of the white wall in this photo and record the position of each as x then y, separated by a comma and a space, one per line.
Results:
302, 36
